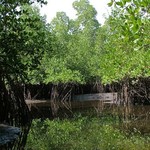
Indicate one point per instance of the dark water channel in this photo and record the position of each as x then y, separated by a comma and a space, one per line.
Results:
129, 118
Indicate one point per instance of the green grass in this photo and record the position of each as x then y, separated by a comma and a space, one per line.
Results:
83, 133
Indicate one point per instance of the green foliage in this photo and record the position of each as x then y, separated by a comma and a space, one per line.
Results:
84, 51
126, 49
83, 133
20, 45
78, 50
73, 44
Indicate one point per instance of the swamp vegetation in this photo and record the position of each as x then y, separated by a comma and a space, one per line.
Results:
70, 54
90, 130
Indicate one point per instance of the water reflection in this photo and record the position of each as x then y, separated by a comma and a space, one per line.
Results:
131, 118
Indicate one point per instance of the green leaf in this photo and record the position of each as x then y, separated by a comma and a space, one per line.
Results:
119, 4
127, 0
110, 4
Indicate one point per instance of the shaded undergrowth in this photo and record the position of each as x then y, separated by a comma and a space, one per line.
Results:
83, 133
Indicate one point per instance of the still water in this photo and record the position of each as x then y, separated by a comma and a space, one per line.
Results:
128, 118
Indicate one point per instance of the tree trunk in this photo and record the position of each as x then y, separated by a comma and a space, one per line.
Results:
13, 110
